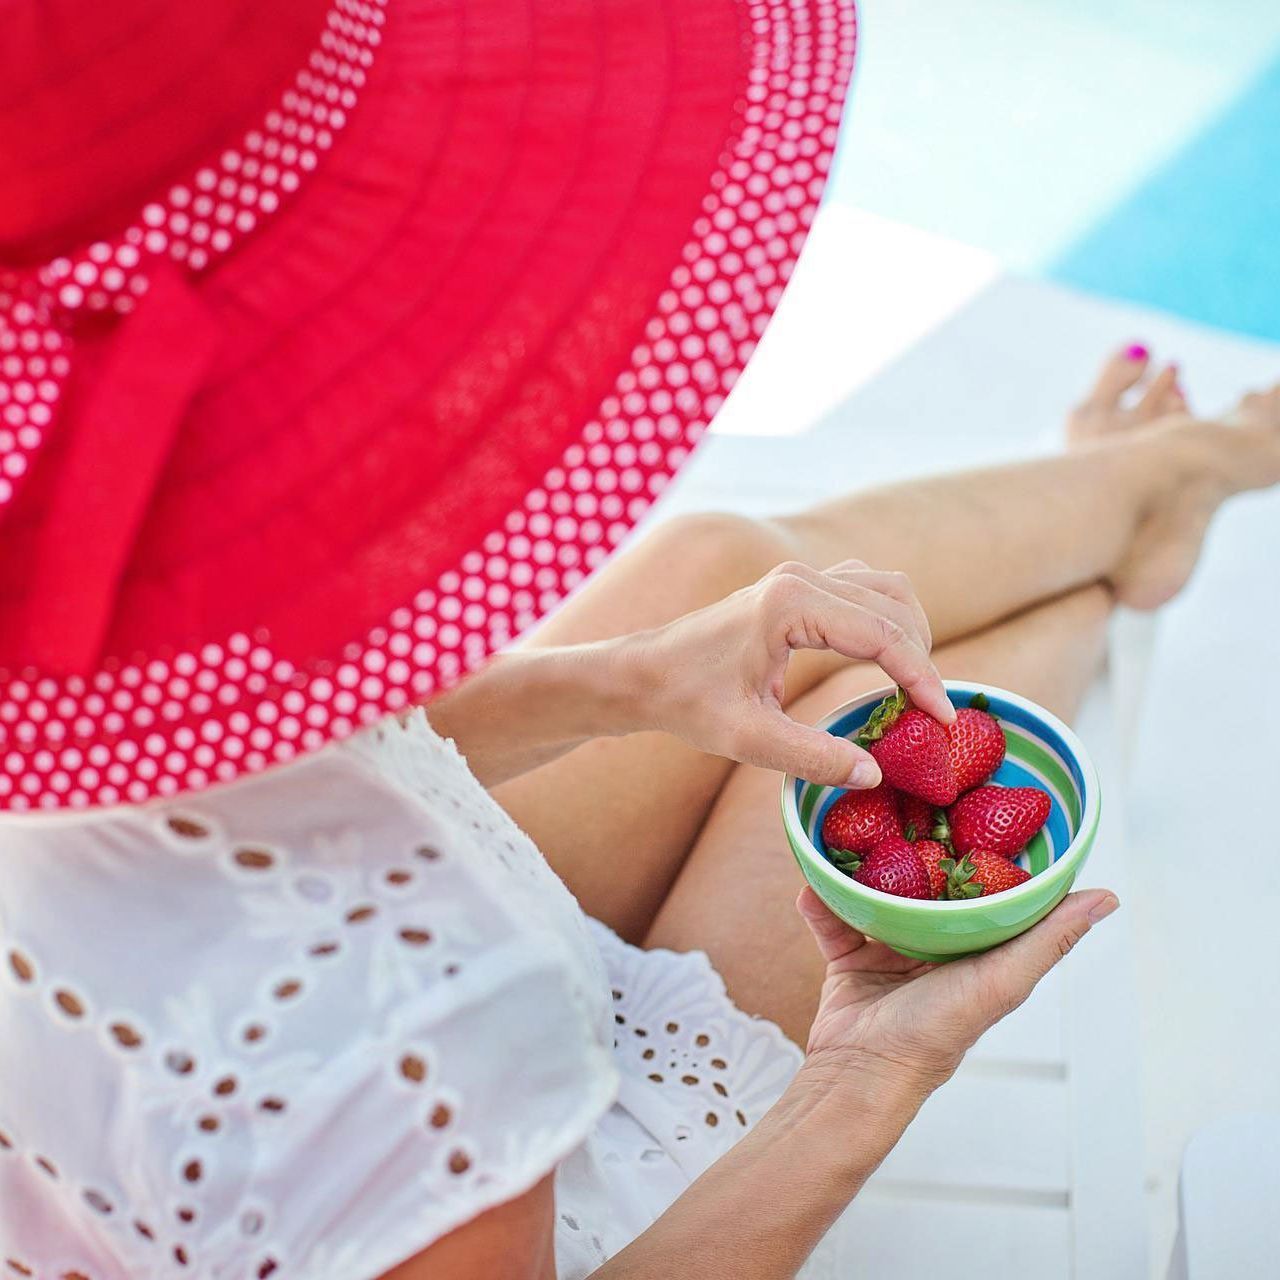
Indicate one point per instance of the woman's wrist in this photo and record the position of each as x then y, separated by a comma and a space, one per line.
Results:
532, 705
860, 1106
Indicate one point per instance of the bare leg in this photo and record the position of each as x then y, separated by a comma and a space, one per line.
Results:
978, 547
735, 896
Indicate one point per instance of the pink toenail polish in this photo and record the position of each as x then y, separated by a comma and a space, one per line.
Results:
1136, 352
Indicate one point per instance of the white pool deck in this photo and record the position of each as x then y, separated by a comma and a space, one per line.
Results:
1055, 1151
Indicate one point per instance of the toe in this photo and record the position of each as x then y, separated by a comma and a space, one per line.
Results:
1261, 408
1162, 396
1122, 370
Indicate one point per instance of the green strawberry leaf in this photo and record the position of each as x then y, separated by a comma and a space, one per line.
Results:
910, 832
844, 860
960, 882
882, 718
979, 702
941, 831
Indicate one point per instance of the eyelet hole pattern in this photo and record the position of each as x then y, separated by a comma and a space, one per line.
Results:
413, 1067
98, 1202
69, 1003
253, 859
126, 1035
186, 828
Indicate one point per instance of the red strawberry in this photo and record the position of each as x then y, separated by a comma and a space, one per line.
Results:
911, 749
931, 853
975, 744
893, 866
918, 817
980, 874
859, 820
998, 819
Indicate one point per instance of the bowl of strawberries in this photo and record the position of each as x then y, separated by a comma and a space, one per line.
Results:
977, 830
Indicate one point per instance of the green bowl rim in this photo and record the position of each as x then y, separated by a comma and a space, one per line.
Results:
1072, 855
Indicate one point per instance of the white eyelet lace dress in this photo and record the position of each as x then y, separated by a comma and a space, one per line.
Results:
308, 1023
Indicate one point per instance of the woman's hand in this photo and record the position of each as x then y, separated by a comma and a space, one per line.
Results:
884, 1017
889, 1031
715, 677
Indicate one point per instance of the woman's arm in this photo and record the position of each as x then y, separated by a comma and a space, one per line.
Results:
528, 707
889, 1031
758, 1212
714, 678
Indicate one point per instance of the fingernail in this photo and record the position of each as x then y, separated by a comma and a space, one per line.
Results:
1136, 352
866, 774
1101, 910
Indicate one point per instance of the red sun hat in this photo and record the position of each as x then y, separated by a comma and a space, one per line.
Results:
339, 339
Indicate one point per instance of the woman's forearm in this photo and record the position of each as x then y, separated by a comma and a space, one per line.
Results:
758, 1212
530, 706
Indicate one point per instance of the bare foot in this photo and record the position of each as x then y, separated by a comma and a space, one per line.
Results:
1117, 403
1218, 460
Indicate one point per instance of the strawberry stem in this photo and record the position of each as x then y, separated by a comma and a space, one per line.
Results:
882, 718
979, 702
941, 831
844, 860
960, 881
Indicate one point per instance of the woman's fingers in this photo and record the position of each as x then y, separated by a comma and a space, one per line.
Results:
898, 605
835, 939
770, 739
1010, 972
889, 583
832, 622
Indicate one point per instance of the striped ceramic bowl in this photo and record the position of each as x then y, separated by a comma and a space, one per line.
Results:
1040, 751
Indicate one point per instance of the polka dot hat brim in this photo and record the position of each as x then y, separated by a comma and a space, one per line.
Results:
300, 423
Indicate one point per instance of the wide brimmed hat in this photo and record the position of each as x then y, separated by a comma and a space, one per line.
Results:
339, 339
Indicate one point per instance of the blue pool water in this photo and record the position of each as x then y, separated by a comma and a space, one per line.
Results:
1129, 148
1201, 236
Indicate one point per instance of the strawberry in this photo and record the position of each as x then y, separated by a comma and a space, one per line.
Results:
997, 819
859, 820
931, 853
911, 749
918, 817
975, 744
893, 866
980, 874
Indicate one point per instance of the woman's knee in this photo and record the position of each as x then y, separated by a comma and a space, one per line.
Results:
717, 552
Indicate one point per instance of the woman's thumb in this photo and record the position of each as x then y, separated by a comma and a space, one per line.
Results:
775, 741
